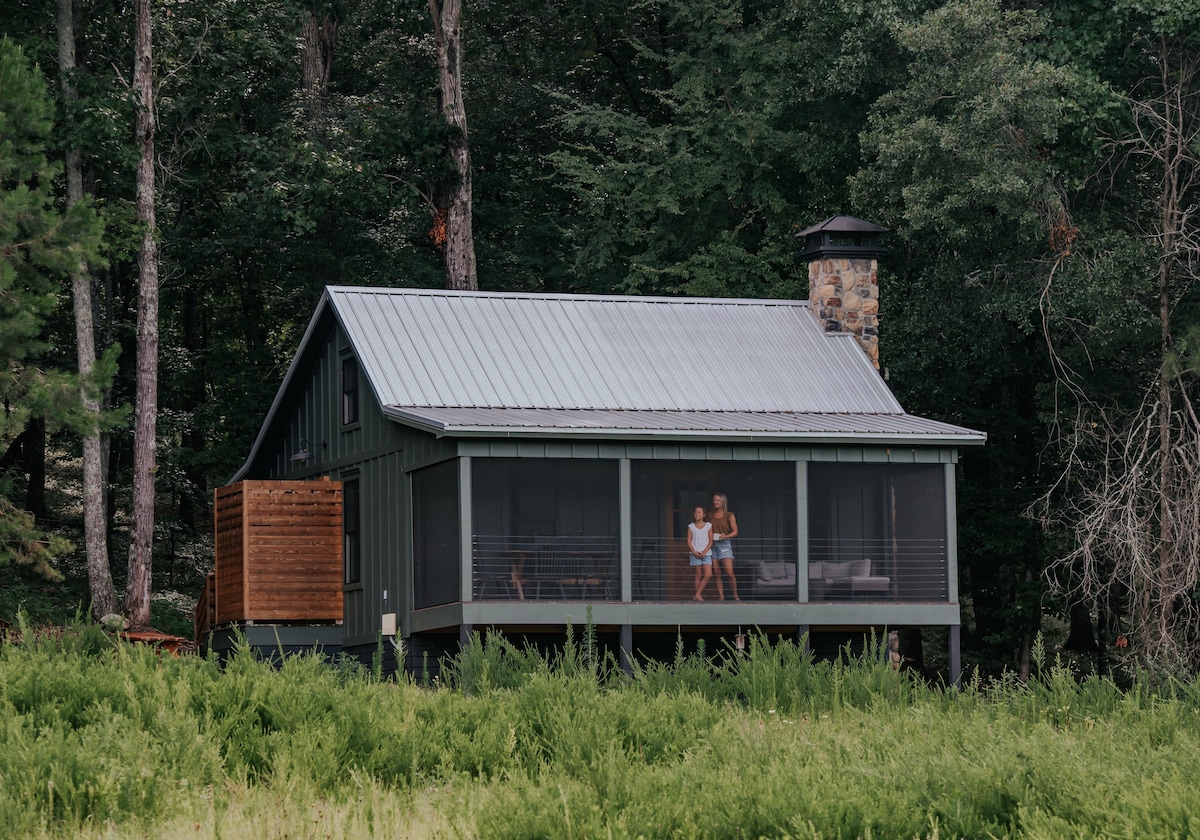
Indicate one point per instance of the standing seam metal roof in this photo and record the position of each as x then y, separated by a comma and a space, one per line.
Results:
444, 349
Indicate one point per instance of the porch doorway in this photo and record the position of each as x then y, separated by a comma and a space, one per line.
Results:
685, 494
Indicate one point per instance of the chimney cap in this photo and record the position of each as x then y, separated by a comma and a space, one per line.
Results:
843, 236
843, 224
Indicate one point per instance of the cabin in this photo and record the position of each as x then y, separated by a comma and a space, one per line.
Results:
524, 463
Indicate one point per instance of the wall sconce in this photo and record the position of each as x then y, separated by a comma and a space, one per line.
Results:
304, 454
739, 641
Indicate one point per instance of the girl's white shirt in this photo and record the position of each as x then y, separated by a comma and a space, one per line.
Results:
699, 535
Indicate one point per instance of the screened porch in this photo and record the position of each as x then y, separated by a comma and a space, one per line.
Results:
545, 529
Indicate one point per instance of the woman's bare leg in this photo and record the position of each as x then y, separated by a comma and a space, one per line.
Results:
727, 569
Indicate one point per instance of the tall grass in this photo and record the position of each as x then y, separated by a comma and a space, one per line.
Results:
104, 739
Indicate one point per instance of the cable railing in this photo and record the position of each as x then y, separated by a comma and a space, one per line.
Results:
765, 569
545, 568
894, 570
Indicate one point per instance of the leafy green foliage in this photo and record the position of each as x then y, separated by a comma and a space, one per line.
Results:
751, 134
101, 737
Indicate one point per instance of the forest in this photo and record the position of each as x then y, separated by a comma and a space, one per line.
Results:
179, 180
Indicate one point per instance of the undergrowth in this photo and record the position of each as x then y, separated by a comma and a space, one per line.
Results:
103, 739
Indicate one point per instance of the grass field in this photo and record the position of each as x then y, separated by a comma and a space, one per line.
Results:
99, 739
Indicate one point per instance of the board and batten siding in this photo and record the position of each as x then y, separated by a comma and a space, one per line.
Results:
377, 453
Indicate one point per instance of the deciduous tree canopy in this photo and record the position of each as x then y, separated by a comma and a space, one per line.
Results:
1035, 162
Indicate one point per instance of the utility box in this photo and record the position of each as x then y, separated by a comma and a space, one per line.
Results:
278, 552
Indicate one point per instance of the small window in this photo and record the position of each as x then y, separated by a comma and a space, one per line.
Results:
351, 525
349, 391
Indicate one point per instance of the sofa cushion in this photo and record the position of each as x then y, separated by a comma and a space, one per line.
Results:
816, 570
860, 568
836, 570
778, 573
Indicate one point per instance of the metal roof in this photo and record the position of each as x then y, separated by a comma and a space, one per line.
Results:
532, 365
843, 224
436, 348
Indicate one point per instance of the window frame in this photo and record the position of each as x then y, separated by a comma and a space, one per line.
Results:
352, 553
351, 390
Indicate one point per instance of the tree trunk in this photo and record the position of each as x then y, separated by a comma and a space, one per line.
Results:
317, 38
453, 204
33, 463
137, 589
100, 583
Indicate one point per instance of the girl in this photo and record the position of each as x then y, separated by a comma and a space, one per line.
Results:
700, 540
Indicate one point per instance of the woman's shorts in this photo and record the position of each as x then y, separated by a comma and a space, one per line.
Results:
723, 550
706, 560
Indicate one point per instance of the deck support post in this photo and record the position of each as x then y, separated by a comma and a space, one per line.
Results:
802, 637
465, 633
626, 651
955, 655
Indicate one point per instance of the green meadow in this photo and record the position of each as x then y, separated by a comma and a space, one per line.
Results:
105, 739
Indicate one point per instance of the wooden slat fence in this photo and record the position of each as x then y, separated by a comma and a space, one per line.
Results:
278, 554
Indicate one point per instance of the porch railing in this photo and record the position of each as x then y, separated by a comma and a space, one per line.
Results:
894, 570
546, 568
588, 569
662, 571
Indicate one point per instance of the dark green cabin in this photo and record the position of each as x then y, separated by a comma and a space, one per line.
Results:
509, 460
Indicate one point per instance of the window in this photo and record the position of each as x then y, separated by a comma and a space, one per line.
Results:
351, 527
349, 390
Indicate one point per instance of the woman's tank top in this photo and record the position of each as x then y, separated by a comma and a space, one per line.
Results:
721, 524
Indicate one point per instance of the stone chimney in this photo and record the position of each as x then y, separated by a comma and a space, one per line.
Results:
843, 289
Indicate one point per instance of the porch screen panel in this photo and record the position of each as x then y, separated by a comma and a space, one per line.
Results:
762, 495
545, 528
435, 535
892, 516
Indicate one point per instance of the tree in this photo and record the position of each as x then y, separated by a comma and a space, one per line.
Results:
744, 129
100, 584
452, 201
38, 244
959, 163
141, 546
1128, 499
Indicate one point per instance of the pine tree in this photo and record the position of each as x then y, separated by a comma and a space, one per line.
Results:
39, 244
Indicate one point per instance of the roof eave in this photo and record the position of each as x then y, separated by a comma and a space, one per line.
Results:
728, 435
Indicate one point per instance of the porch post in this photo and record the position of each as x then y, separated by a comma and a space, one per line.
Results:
625, 515
955, 656
626, 652
951, 537
802, 531
465, 522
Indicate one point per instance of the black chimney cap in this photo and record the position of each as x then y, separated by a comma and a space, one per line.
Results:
843, 236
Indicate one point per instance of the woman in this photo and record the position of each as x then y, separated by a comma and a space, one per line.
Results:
725, 528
